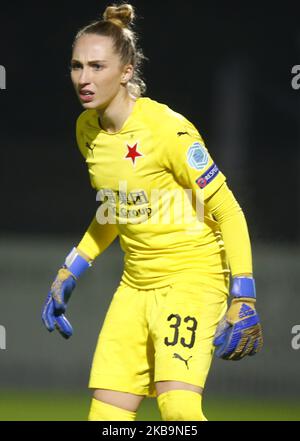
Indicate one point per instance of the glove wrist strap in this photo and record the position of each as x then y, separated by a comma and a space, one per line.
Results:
243, 287
76, 264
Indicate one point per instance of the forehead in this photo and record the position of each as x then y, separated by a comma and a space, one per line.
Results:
94, 47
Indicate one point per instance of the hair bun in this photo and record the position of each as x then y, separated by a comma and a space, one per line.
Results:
122, 15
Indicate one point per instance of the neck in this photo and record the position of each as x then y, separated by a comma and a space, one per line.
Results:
116, 113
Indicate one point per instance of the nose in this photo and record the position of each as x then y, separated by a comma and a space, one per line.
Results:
84, 77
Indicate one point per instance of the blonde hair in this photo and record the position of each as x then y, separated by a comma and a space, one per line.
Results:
117, 24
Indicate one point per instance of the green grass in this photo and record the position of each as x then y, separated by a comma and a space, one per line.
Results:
37, 406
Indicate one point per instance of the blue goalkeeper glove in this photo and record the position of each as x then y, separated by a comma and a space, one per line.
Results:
60, 292
239, 332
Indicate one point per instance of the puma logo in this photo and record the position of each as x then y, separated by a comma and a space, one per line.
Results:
182, 133
90, 146
180, 358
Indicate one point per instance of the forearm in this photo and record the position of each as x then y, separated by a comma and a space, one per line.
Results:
232, 222
97, 238
239, 332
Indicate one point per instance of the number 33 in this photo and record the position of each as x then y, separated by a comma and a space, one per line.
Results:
176, 326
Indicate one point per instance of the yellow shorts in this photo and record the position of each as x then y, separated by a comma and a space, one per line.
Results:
158, 335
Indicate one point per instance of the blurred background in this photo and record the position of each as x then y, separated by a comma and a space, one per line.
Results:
227, 69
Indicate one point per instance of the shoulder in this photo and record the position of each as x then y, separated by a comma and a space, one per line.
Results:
86, 121
164, 120
175, 137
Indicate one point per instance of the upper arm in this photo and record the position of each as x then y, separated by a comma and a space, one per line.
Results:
80, 134
187, 157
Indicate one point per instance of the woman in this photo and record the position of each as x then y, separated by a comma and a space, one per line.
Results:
166, 199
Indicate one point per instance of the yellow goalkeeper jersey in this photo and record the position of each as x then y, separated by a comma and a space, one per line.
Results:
152, 178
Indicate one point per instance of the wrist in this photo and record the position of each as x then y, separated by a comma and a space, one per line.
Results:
243, 287
76, 263
84, 255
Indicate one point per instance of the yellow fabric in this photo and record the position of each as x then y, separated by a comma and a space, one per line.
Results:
180, 405
224, 207
155, 250
97, 238
159, 334
101, 411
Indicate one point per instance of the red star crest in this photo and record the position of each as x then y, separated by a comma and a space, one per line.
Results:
132, 152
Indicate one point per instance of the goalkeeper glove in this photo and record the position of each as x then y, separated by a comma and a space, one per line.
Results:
239, 332
60, 292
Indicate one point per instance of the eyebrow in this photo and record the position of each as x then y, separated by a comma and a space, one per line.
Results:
89, 62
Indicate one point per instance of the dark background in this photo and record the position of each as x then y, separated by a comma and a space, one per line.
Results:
227, 67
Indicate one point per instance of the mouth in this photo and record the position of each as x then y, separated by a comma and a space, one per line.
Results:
86, 95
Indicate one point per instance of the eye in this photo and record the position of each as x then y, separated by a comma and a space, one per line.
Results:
97, 66
75, 66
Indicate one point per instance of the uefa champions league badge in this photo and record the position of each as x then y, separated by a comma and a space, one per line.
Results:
197, 156
208, 176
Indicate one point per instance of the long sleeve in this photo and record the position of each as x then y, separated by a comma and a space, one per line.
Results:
230, 217
186, 156
97, 238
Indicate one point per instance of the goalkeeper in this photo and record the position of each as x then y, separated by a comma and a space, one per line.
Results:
170, 310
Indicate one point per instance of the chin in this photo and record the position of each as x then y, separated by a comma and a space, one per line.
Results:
91, 105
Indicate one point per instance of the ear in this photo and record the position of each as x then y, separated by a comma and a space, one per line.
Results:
127, 74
